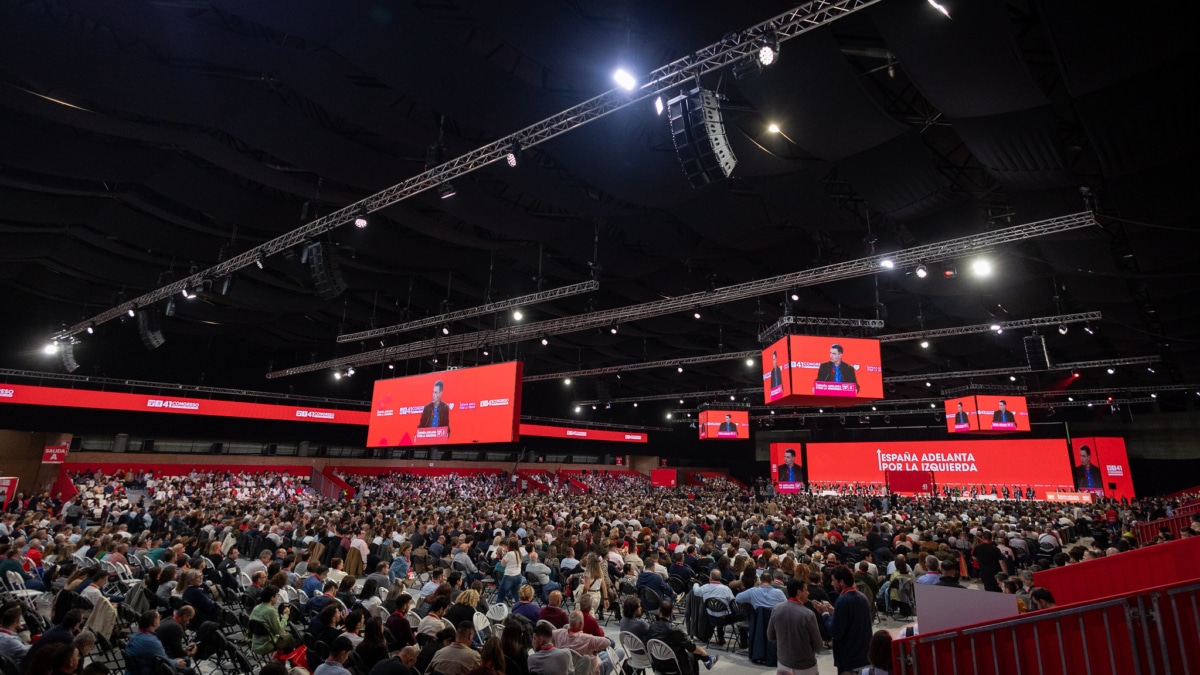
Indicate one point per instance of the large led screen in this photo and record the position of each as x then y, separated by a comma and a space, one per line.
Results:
787, 467
960, 415
839, 369
777, 373
1002, 413
471, 405
724, 424
1042, 464
1101, 467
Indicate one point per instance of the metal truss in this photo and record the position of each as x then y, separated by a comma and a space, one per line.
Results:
946, 250
1016, 370
182, 388
1102, 391
1014, 389
1095, 402
646, 365
489, 308
597, 425
991, 327
732, 48
781, 327
666, 397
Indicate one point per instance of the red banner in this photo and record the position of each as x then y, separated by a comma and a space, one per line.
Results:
55, 454
663, 477
1070, 497
156, 403
1040, 464
910, 482
8, 490
584, 434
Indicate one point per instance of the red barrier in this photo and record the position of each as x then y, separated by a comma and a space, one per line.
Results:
417, 470
1128, 572
111, 468
535, 479
1149, 631
1146, 533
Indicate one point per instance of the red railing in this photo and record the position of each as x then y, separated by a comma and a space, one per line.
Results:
538, 480
694, 477
1129, 572
1148, 632
1146, 533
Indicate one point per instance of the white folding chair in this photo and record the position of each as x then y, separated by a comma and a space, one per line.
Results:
663, 657
483, 627
497, 613
635, 652
16, 587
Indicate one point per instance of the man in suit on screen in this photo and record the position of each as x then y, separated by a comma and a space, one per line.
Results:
1003, 414
788, 471
1087, 475
776, 371
960, 417
728, 424
436, 413
836, 370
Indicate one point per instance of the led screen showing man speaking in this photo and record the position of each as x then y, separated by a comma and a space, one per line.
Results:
724, 424
469, 405
787, 468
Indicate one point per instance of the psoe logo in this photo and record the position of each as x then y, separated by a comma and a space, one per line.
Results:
314, 414
1115, 469
633, 437
572, 432
7, 393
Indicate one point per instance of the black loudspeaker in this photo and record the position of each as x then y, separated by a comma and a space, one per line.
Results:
1035, 352
149, 330
217, 448
699, 137
148, 445
327, 276
1112, 486
269, 450
76, 443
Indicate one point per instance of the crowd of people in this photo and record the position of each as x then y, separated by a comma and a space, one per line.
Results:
395, 580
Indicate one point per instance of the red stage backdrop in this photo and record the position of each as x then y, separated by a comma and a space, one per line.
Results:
777, 373
663, 477
968, 421
1108, 456
584, 434
713, 421
1042, 464
910, 482
474, 405
787, 479
157, 403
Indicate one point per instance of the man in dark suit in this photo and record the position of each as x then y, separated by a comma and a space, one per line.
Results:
1003, 414
834, 370
960, 417
776, 371
728, 424
1087, 475
788, 471
436, 413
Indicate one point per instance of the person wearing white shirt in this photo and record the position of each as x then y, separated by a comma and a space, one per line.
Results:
713, 589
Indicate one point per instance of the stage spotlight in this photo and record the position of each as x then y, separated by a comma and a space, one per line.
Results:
950, 272
567, 381
1075, 374
932, 405
624, 80
50, 349
545, 342
90, 329
795, 296
773, 128
445, 330
680, 369
658, 106
349, 371
391, 366
1062, 329
1087, 327
360, 219
188, 294
613, 330
749, 362
1012, 378
485, 353
768, 52
996, 327
1153, 395
1111, 371
446, 191
928, 383
514, 154
887, 264
635, 404
873, 408
668, 415
940, 7
821, 410
337, 374
922, 272
258, 260
696, 314
680, 401
924, 344
593, 407
1152, 371
517, 315
130, 312
577, 408
981, 268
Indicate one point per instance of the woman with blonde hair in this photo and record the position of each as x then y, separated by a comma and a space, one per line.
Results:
463, 608
595, 584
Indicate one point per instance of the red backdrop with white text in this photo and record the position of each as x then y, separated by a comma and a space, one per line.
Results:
1041, 463
477, 405
1109, 455
711, 422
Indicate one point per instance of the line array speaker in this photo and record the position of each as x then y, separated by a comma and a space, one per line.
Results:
1035, 352
149, 330
327, 276
698, 133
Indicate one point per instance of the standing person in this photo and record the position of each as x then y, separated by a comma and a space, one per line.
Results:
793, 627
595, 580
848, 622
510, 560
990, 561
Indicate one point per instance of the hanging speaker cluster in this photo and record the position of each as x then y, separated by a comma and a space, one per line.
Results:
326, 275
149, 329
699, 136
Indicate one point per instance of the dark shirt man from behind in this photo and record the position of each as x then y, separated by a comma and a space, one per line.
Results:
990, 559
793, 627
650, 579
950, 574
848, 622
441, 641
63, 633
686, 651
171, 634
631, 619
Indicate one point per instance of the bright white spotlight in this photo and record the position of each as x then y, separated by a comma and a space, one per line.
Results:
922, 272
360, 221
732, 397
1062, 329
445, 330
996, 327
887, 264
680, 369
593, 407
981, 268
337, 374
51, 348
613, 330
485, 352
635, 404
940, 7
624, 80
517, 315
91, 329
680, 401
577, 408
928, 383
567, 381
750, 362
668, 415
658, 105
131, 313
545, 342
773, 128
349, 371
696, 315
768, 53
795, 297
391, 366
1111, 371
924, 344
1012, 378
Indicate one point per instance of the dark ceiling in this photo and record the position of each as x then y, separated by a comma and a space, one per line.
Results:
141, 138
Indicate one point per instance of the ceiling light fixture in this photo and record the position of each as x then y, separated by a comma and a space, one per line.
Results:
577, 408
996, 327
940, 7
518, 315
545, 342
360, 219
567, 381
924, 344
922, 271
696, 314
1087, 327
614, 329
130, 312
668, 415
91, 329
795, 296
1012, 378
349, 371
624, 79
950, 272
680, 369
773, 128
887, 263
928, 383
445, 330
337, 374
749, 362
446, 191
981, 267
658, 105
51, 348
514, 154
258, 261
1111, 371
635, 404
768, 52
1062, 329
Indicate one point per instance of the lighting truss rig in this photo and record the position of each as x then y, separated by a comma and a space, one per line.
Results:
734, 47
946, 250
784, 325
